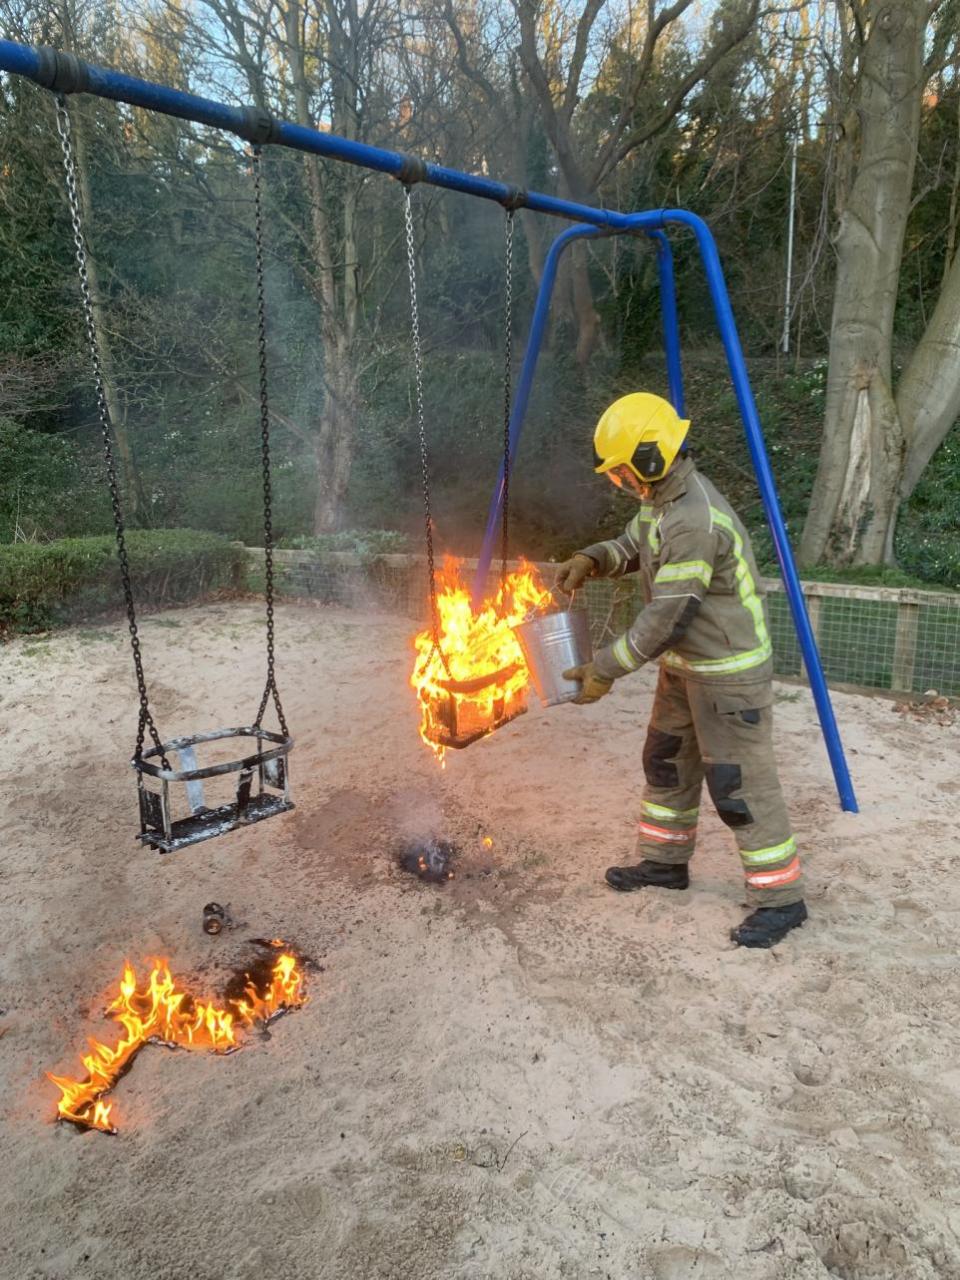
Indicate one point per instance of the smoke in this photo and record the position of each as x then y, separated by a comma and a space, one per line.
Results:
418, 820
416, 816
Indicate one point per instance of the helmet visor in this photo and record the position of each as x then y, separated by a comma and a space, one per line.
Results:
646, 462
624, 477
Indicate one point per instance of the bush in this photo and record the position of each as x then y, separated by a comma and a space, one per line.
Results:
42, 584
49, 486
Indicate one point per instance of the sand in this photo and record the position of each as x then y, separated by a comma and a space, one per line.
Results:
518, 1075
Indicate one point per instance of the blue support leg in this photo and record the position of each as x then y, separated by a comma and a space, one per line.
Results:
671, 322
521, 399
771, 504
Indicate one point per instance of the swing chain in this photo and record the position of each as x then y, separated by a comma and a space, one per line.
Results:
145, 721
271, 685
421, 425
507, 395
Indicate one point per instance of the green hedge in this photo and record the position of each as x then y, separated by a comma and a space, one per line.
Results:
43, 584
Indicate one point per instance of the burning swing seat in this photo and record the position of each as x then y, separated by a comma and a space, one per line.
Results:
470, 674
457, 713
461, 712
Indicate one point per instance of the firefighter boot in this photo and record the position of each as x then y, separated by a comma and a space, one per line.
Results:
649, 874
767, 926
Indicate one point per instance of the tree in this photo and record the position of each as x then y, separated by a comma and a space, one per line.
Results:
85, 29
878, 437
557, 46
476, 49
323, 63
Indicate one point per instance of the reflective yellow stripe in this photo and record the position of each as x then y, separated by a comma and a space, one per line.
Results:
643, 516
653, 536
776, 852
750, 599
681, 570
614, 549
674, 815
746, 587
623, 655
721, 666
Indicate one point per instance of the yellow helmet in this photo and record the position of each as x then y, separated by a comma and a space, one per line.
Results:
640, 431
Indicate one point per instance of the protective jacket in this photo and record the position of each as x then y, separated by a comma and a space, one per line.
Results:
705, 616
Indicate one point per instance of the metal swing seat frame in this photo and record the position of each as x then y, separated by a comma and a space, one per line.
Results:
268, 764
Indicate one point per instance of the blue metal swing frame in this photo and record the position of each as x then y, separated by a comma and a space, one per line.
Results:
66, 73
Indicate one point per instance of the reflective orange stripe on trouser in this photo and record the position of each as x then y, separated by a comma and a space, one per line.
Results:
667, 835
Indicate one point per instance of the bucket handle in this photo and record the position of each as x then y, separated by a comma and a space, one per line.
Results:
566, 598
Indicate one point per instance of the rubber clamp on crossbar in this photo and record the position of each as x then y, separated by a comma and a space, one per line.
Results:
412, 170
61, 72
258, 126
516, 198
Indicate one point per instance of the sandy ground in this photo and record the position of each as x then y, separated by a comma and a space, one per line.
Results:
518, 1075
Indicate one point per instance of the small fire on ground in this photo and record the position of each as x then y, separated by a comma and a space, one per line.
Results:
161, 1012
478, 679
430, 859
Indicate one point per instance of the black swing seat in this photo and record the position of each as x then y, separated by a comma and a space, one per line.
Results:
165, 833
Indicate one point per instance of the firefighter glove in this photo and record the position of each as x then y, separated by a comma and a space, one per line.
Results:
573, 573
594, 685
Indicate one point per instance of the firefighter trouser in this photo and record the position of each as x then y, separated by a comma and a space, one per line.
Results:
722, 734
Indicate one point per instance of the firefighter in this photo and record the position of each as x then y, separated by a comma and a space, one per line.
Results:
705, 622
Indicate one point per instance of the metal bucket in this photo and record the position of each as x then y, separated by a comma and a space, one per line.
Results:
551, 644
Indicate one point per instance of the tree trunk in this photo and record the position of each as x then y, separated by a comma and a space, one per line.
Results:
854, 501
928, 397
339, 299
332, 460
533, 234
333, 449
587, 317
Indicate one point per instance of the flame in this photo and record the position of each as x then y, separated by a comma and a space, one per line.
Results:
475, 644
162, 1013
